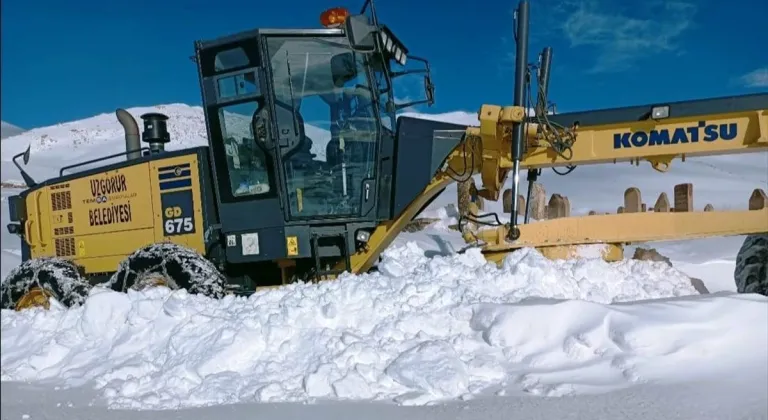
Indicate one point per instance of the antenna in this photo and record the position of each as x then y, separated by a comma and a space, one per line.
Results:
545, 64
374, 18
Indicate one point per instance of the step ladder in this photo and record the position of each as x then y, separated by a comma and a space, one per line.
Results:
319, 272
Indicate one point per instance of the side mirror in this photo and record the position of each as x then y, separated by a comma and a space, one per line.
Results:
343, 68
25, 158
429, 89
360, 33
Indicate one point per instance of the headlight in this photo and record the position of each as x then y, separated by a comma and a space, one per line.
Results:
362, 236
399, 56
14, 228
384, 39
660, 112
392, 47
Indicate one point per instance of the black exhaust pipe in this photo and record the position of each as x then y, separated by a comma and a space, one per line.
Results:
131, 129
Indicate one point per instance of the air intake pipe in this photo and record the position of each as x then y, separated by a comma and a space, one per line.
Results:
131, 129
155, 131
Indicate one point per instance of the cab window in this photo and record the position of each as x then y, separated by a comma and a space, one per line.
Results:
244, 131
326, 85
385, 93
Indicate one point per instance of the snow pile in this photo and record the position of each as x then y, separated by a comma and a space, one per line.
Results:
419, 331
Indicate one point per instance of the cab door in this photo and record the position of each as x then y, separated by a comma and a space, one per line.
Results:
326, 125
242, 153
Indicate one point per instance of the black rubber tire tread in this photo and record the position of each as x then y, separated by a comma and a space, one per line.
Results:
61, 277
183, 266
751, 272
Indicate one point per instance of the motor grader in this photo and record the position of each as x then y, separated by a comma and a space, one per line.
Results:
309, 172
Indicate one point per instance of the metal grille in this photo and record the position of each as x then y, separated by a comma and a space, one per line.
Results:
61, 200
65, 247
68, 230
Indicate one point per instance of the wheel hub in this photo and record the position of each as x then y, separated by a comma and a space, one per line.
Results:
36, 297
151, 280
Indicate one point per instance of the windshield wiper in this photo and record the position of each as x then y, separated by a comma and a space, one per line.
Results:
293, 102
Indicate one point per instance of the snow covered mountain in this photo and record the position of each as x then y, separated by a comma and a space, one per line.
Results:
66, 143
70, 142
8, 130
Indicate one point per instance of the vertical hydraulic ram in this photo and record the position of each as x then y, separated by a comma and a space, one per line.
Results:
518, 133
545, 61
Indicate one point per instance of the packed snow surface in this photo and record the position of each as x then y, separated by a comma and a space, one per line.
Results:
419, 331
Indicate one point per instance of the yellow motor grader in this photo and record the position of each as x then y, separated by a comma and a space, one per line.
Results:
257, 207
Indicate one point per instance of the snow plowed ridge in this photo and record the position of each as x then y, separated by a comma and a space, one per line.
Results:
421, 330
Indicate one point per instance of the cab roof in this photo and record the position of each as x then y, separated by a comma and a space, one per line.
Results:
255, 33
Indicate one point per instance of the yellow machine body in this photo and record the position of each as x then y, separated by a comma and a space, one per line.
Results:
98, 219
489, 146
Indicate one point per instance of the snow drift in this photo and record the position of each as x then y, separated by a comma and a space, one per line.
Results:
420, 330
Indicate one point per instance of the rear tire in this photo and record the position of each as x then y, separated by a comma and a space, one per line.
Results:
57, 277
751, 273
170, 265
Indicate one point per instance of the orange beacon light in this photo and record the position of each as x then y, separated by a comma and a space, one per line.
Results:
334, 18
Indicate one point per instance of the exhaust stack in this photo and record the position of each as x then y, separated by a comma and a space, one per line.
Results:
132, 141
155, 131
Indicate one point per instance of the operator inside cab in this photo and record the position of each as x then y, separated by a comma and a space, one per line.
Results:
246, 152
326, 107
326, 86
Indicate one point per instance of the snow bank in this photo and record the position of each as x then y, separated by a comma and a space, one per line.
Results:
419, 331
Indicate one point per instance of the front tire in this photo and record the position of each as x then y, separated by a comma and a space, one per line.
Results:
35, 281
170, 265
751, 273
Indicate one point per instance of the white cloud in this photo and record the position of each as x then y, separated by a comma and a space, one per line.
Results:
756, 78
621, 38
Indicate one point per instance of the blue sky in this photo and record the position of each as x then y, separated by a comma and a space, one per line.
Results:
63, 61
